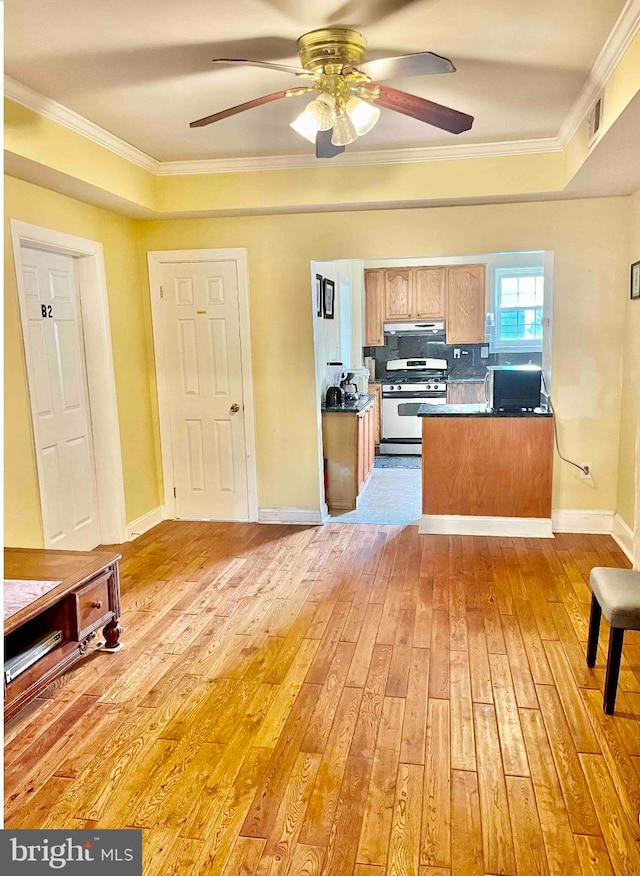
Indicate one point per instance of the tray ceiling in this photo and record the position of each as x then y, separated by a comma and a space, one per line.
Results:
141, 70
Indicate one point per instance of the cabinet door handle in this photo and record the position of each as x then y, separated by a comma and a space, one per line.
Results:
97, 604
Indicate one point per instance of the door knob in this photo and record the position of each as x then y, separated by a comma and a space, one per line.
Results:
234, 409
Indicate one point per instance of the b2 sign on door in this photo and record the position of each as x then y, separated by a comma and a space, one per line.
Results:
47, 311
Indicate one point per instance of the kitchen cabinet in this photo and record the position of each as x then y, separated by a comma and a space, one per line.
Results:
398, 294
348, 442
465, 392
465, 304
429, 292
455, 293
374, 308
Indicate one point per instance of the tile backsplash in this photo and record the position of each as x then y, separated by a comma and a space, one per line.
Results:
469, 365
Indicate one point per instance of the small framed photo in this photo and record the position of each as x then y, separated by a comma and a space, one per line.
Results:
319, 293
635, 280
329, 298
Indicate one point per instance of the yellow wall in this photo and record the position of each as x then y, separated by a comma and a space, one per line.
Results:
590, 240
630, 410
591, 244
23, 526
33, 137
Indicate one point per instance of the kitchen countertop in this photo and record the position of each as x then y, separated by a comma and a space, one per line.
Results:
352, 407
465, 380
473, 411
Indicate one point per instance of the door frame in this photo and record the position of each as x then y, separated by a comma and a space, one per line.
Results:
98, 353
156, 260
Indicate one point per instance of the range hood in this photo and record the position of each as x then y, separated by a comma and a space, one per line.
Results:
414, 328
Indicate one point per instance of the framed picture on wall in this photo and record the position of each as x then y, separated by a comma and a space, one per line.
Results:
329, 298
635, 280
319, 291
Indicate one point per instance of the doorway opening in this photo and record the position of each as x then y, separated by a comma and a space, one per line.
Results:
413, 333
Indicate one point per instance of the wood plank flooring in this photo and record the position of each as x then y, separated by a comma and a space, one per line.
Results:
348, 700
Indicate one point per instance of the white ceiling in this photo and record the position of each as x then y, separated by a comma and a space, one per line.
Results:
141, 68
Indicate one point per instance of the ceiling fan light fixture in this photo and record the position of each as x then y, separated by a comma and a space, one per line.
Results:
344, 131
323, 109
306, 124
363, 115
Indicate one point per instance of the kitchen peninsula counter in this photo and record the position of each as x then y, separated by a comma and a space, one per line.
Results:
486, 472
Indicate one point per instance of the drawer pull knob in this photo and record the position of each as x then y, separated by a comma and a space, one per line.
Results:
97, 604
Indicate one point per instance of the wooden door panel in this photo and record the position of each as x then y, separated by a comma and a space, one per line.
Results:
373, 308
429, 286
398, 294
465, 304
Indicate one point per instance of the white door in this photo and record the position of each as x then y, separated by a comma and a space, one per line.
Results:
201, 343
56, 368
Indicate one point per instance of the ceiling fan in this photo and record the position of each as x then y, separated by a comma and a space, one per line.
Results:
347, 103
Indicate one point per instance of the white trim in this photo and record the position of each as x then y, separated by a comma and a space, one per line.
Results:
623, 536
594, 522
361, 159
144, 523
101, 383
300, 516
73, 121
618, 41
240, 256
459, 524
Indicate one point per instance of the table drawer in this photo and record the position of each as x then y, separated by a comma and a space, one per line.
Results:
93, 604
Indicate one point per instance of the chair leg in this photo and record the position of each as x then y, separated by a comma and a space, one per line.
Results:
594, 631
616, 636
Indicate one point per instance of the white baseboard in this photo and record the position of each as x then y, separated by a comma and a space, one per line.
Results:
623, 536
300, 516
593, 522
144, 523
457, 524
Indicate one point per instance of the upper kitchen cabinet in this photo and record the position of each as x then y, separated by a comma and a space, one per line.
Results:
465, 304
374, 308
429, 293
398, 294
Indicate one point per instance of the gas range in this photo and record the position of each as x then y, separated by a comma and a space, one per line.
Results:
409, 383
408, 376
410, 387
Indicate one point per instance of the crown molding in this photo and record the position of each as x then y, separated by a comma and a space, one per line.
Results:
618, 41
359, 159
623, 32
55, 111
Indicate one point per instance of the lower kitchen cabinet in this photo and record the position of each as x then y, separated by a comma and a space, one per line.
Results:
349, 449
376, 389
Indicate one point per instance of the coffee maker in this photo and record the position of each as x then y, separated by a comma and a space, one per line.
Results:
335, 392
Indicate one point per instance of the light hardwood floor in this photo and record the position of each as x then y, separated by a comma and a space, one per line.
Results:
353, 700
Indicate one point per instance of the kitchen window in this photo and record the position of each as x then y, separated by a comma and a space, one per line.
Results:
516, 321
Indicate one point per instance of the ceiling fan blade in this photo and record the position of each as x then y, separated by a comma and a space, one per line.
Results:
250, 104
324, 146
283, 68
423, 110
418, 64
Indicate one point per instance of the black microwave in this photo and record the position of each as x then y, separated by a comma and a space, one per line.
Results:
514, 388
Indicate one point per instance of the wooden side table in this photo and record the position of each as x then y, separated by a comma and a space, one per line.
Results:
68, 593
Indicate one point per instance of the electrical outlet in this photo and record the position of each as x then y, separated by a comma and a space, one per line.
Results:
586, 475
456, 352
484, 352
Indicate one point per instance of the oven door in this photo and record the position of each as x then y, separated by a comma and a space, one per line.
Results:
400, 416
